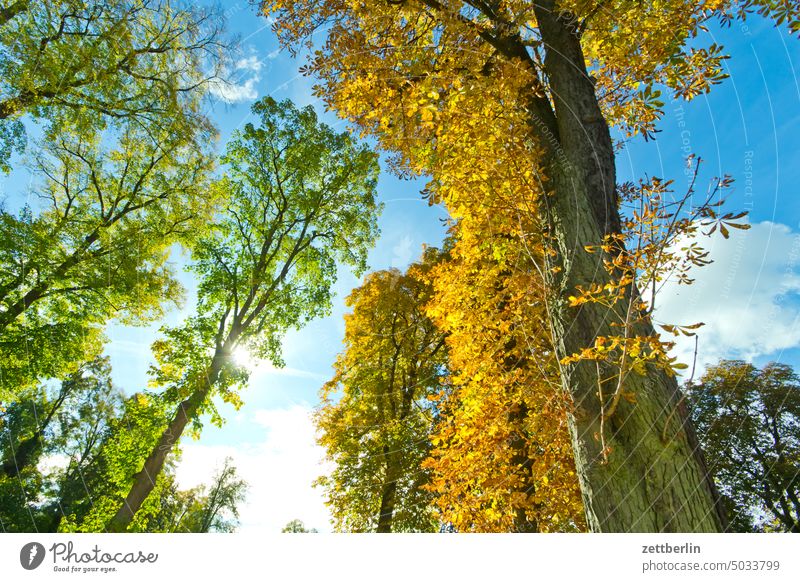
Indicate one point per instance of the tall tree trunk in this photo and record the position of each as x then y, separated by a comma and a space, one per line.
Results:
387, 507
647, 483
144, 481
389, 494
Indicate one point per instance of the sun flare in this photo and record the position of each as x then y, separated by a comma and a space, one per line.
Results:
243, 357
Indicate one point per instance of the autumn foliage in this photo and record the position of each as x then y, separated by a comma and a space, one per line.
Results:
502, 458
506, 107
517, 380
376, 418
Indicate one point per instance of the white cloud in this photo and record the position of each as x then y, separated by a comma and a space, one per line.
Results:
230, 92
279, 471
238, 89
403, 253
251, 63
746, 297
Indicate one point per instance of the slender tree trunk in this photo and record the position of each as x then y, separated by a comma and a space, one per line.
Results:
389, 493
387, 507
144, 481
648, 483
213, 503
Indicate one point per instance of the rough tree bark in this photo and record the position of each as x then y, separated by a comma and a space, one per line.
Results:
387, 505
647, 484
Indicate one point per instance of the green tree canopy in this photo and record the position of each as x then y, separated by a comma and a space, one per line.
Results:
49, 440
202, 509
300, 198
115, 88
297, 526
748, 421
86, 64
68, 450
95, 249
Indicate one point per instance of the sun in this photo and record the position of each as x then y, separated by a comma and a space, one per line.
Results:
243, 357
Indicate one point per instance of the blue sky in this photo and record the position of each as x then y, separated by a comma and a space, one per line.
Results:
748, 127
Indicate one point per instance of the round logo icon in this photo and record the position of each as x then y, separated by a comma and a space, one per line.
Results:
31, 555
